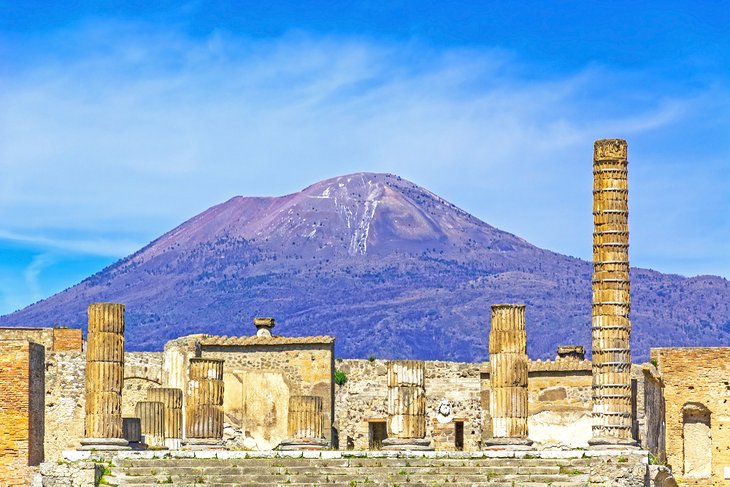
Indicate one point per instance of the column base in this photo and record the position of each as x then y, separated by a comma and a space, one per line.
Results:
292, 444
137, 445
173, 443
104, 444
613, 444
203, 444
508, 444
407, 444
155, 442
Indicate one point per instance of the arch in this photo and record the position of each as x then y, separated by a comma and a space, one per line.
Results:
152, 374
696, 440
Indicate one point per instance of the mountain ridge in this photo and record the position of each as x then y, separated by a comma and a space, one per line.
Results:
389, 268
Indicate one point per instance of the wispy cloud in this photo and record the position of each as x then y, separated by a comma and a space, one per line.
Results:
139, 129
95, 246
32, 272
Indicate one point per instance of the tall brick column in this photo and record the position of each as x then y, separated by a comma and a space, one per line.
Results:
104, 378
406, 406
305, 424
172, 399
508, 376
611, 328
204, 403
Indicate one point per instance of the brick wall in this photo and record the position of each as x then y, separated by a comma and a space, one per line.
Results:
696, 380
53, 339
21, 410
67, 340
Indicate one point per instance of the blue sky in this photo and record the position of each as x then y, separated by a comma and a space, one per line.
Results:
119, 121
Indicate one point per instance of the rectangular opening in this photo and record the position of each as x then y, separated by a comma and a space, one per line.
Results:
376, 434
459, 435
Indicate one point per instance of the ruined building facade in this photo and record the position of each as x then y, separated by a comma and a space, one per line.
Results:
260, 391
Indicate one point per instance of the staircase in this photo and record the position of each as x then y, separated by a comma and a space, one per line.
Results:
349, 472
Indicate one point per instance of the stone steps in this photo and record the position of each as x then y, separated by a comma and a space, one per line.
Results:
350, 472
357, 462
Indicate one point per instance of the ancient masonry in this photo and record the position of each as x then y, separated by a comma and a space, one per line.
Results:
278, 393
151, 415
406, 406
508, 361
21, 410
132, 430
611, 329
172, 400
204, 402
306, 424
104, 377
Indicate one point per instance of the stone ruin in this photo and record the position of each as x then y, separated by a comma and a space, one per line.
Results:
268, 393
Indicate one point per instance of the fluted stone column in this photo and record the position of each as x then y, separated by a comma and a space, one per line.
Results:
508, 376
172, 399
611, 328
204, 403
151, 415
406, 406
305, 424
104, 378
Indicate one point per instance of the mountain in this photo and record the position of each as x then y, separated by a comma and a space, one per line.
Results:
387, 267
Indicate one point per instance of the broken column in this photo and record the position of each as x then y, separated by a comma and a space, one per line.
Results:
406, 406
151, 415
104, 378
508, 377
264, 326
172, 399
204, 403
611, 328
305, 424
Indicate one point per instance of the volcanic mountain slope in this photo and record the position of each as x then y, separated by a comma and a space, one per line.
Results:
387, 267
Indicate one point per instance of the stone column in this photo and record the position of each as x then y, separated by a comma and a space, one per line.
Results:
406, 406
176, 365
204, 403
508, 376
611, 302
264, 326
104, 378
172, 400
306, 424
152, 422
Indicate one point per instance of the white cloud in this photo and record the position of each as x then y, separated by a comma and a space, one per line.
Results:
140, 130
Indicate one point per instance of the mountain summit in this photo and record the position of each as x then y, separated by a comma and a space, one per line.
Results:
387, 267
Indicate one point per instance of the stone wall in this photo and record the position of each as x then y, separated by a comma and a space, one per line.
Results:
559, 394
65, 394
649, 409
696, 391
362, 400
142, 370
53, 339
261, 373
67, 340
21, 410
559, 399
65, 402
